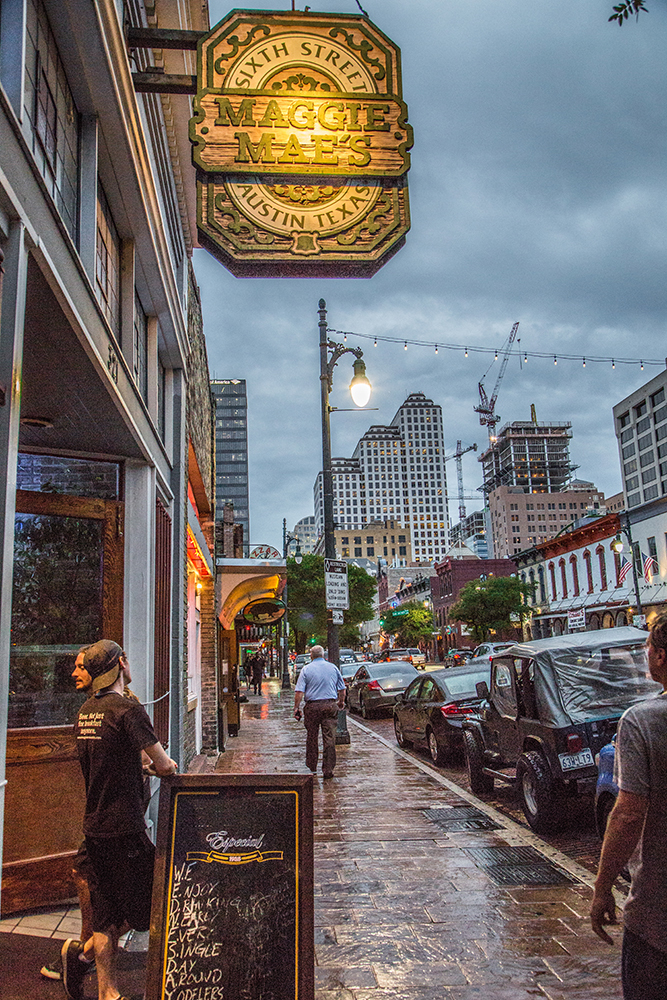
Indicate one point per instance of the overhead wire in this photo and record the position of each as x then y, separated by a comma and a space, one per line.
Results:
521, 353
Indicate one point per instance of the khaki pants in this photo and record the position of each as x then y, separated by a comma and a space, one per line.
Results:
321, 715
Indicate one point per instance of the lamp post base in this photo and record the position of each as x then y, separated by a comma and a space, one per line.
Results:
342, 732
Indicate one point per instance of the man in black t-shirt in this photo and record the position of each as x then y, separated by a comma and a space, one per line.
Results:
111, 733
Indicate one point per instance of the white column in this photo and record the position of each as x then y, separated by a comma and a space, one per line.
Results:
12, 321
139, 607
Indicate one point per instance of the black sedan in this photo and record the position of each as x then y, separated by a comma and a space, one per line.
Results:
377, 686
432, 709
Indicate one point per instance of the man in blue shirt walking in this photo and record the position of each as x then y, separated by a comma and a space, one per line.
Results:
322, 688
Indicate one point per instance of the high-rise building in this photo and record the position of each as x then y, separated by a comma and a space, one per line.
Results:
396, 471
472, 532
640, 421
231, 450
532, 455
306, 533
520, 519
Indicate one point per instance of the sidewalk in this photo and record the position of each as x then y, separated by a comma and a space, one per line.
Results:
412, 900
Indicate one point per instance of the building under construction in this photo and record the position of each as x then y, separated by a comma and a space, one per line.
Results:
531, 455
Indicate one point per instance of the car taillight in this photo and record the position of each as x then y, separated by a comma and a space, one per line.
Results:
453, 709
374, 686
574, 742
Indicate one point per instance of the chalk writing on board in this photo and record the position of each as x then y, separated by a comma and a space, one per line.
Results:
231, 929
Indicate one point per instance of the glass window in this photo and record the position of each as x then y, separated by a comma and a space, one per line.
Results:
107, 275
76, 477
51, 116
140, 352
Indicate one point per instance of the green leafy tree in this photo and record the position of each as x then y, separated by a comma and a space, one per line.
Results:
625, 10
487, 604
412, 628
307, 612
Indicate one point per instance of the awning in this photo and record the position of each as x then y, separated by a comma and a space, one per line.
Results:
240, 581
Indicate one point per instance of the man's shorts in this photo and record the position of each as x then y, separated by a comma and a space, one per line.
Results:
121, 884
81, 863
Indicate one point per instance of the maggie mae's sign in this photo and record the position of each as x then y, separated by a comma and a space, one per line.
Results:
301, 144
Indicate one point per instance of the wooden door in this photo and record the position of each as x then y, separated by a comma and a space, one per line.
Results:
68, 591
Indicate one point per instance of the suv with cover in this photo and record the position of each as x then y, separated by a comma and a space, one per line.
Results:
552, 705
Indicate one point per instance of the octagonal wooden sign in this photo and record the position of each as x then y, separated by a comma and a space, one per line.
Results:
301, 142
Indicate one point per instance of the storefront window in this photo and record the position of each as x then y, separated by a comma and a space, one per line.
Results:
73, 476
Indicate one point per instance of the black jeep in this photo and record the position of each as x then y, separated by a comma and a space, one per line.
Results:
553, 704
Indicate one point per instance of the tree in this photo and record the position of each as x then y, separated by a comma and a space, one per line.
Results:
488, 604
307, 612
412, 627
625, 10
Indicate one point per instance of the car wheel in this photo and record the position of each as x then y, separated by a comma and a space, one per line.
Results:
604, 807
365, 710
540, 796
400, 738
438, 756
480, 783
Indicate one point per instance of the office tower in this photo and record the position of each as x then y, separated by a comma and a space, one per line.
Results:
640, 421
231, 451
306, 533
534, 456
396, 471
519, 519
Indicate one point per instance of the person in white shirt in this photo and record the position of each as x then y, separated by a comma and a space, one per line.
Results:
322, 688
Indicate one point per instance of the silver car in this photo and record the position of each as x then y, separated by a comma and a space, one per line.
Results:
377, 686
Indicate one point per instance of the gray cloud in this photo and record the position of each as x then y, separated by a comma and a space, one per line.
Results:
537, 193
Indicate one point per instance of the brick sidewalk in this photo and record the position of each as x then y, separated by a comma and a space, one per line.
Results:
406, 905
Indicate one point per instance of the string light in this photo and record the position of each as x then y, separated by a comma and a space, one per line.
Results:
555, 360
641, 365
584, 362
436, 348
466, 352
613, 363
345, 339
525, 358
496, 357
375, 343
405, 346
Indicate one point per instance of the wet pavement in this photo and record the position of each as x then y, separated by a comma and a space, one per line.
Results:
421, 890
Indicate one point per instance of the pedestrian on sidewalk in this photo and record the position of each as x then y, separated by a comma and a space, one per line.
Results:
257, 673
322, 688
111, 733
640, 818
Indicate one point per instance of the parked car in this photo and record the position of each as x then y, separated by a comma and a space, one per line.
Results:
606, 789
377, 686
300, 662
431, 711
456, 657
350, 656
551, 706
489, 649
413, 655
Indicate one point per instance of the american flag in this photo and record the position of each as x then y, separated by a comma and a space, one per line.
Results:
626, 566
650, 567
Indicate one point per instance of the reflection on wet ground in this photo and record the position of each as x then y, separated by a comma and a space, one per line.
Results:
404, 907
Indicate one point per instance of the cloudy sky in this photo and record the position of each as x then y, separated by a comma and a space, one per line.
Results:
538, 193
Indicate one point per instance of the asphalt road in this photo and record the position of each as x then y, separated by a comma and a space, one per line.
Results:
578, 839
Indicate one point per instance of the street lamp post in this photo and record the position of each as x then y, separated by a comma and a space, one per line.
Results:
617, 546
360, 389
284, 650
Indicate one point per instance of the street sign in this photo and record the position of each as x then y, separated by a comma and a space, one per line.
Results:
639, 621
335, 584
576, 618
337, 617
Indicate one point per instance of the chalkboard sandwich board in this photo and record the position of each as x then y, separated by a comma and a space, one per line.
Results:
232, 915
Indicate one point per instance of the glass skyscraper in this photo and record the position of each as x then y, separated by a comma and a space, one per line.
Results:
231, 451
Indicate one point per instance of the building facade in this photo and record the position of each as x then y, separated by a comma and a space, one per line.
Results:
385, 540
472, 532
640, 422
231, 450
532, 455
396, 472
458, 568
305, 533
519, 519
101, 442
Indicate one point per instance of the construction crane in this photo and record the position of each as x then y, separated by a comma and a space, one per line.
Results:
487, 407
458, 455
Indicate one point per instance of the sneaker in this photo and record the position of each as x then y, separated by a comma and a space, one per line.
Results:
73, 969
54, 970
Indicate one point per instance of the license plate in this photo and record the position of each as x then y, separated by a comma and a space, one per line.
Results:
570, 761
